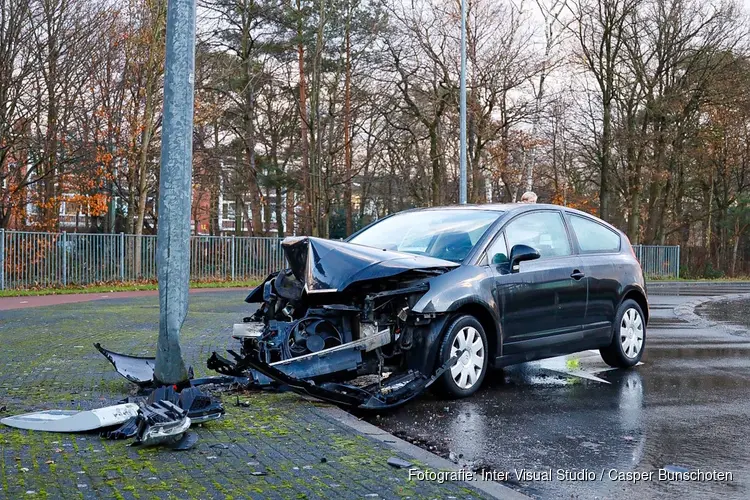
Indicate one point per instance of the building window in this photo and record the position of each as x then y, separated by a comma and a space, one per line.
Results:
227, 210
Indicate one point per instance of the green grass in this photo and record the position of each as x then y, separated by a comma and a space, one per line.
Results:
121, 287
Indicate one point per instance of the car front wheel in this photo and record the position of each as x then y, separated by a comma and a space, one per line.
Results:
629, 337
466, 339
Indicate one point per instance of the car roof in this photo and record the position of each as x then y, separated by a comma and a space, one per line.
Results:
497, 207
514, 208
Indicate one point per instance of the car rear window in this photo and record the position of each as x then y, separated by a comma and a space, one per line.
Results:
594, 237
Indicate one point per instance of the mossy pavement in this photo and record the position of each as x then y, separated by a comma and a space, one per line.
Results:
278, 446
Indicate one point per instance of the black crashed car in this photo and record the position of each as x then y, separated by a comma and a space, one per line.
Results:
442, 295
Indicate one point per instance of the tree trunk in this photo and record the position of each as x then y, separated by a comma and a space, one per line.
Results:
149, 111
279, 213
604, 170
347, 131
437, 171
709, 222
316, 132
49, 207
736, 246
142, 198
143, 174
290, 212
304, 133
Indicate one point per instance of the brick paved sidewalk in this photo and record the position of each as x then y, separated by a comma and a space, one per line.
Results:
281, 446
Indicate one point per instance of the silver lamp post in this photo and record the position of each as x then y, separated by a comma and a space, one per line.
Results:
175, 190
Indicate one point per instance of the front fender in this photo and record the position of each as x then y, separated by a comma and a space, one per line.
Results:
449, 293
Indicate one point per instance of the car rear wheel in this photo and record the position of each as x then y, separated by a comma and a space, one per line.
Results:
629, 337
465, 338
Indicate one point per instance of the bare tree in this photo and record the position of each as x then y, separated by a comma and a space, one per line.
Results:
600, 28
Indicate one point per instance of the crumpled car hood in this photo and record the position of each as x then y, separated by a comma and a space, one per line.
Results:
332, 266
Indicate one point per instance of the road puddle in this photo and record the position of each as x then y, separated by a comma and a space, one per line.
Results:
736, 312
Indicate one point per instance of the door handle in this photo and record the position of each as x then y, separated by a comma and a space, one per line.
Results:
577, 275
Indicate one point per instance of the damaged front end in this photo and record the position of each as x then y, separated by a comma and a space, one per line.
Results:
342, 312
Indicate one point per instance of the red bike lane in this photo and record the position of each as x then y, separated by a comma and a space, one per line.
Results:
8, 303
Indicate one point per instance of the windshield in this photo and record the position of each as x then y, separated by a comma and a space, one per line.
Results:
443, 234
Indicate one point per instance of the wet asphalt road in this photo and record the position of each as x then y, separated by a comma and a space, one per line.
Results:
686, 407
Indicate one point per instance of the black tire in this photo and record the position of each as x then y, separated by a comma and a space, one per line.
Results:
628, 337
468, 379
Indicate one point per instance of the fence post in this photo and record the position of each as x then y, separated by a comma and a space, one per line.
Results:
678, 262
64, 258
122, 256
233, 256
2, 259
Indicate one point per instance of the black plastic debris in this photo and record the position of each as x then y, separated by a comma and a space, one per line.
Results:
399, 463
186, 442
164, 393
222, 365
162, 422
126, 431
138, 370
200, 407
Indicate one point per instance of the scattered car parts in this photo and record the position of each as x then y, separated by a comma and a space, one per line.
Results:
126, 431
161, 422
73, 421
186, 442
140, 371
200, 407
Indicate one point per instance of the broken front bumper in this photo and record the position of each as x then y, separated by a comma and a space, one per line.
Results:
389, 393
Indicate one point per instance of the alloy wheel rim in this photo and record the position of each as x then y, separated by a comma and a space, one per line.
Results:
468, 368
631, 333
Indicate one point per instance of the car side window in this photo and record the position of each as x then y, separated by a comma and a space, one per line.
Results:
497, 253
543, 231
593, 237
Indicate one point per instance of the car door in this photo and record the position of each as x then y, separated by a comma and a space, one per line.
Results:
597, 245
543, 301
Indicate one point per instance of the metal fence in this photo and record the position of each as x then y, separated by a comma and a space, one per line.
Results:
29, 259
659, 261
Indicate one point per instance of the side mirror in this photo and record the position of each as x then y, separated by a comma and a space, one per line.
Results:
520, 253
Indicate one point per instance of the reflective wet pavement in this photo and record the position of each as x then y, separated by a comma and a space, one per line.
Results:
736, 312
685, 408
